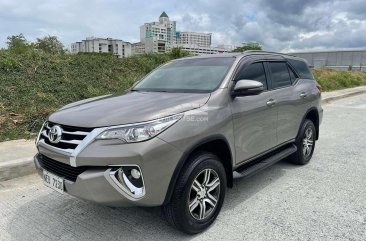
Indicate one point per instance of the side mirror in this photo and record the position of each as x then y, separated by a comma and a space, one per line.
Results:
247, 87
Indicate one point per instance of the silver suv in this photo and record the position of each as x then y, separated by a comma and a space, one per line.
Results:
179, 136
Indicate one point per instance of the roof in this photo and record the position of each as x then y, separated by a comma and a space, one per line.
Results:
164, 15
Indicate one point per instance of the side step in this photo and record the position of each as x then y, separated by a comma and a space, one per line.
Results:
261, 164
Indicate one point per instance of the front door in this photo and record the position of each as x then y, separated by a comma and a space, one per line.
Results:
254, 117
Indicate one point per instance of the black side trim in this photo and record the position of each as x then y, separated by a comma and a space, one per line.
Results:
184, 158
263, 154
265, 161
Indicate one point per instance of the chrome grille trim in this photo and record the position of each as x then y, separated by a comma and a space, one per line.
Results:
75, 142
66, 152
82, 139
78, 133
72, 140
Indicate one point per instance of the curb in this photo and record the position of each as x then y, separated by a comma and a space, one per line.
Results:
341, 96
16, 168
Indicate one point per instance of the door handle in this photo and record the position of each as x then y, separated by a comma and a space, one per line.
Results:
271, 102
303, 95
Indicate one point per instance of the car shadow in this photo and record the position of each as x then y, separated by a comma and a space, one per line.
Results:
53, 216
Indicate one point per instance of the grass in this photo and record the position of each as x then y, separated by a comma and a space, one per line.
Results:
336, 80
35, 84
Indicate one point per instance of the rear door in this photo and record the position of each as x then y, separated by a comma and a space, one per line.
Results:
289, 96
254, 120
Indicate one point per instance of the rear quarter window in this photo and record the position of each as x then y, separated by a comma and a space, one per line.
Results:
302, 68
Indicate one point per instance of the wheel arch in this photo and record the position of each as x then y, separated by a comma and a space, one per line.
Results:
313, 115
216, 144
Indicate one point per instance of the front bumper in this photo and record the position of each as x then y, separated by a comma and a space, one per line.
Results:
102, 157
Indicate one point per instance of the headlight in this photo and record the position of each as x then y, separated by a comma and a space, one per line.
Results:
141, 131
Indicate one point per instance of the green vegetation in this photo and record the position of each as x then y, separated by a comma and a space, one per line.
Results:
50, 44
248, 46
36, 83
335, 80
178, 53
19, 44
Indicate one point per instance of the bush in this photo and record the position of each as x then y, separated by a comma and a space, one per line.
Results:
333, 80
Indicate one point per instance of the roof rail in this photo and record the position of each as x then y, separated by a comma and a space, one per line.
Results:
267, 52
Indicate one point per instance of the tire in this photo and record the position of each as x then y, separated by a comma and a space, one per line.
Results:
185, 194
305, 144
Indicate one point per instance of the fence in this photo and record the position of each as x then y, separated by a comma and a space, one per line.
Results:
339, 59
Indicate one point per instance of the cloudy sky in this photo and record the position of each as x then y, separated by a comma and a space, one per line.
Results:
282, 25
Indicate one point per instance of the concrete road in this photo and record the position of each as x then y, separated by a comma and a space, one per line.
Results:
325, 200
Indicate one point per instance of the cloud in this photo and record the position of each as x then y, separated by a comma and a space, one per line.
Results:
286, 25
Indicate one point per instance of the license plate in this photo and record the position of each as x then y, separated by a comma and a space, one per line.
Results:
52, 181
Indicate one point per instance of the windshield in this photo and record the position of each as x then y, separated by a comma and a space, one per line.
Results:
187, 75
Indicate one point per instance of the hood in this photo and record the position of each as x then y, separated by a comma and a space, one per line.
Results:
128, 108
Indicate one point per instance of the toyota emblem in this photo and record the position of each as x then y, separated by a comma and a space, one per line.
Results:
55, 133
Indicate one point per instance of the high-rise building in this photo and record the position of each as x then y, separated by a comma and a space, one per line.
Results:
162, 36
158, 36
116, 47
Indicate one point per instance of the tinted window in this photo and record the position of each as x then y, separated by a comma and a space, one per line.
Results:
253, 72
302, 68
187, 75
280, 75
292, 75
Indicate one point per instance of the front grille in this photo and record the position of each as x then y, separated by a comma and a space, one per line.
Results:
60, 169
71, 136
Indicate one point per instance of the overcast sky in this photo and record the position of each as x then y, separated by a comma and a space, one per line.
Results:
282, 25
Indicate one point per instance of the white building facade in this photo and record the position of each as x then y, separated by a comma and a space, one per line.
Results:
138, 48
200, 50
194, 38
117, 47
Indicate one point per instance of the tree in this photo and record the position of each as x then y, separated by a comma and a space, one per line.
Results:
248, 46
18, 43
50, 44
178, 53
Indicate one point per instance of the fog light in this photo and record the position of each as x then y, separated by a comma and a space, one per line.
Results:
135, 174
129, 179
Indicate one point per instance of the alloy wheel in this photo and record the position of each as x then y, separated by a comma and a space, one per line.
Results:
308, 142
204, 194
